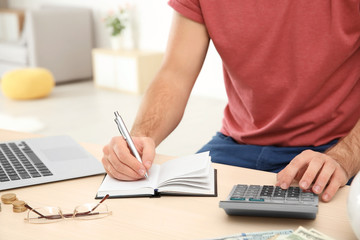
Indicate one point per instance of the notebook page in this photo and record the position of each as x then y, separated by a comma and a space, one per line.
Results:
196, 188
182, 166
197, 178
112, 185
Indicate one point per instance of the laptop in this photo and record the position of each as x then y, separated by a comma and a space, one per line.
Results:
28, 162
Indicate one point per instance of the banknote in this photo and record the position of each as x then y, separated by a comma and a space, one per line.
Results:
300, 233
267, 235
320, 234
304, 234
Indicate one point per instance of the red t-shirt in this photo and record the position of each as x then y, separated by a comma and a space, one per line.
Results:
291, 68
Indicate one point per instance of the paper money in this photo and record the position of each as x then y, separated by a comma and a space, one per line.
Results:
320, 234
281, 237
257, 235
304, 234
300, 233
295, 237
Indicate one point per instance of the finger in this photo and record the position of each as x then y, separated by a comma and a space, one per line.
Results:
122, 168
300, 173
311, 172
124, 162
338, 179
287, 175
112, 172
147, 150
106, 150
331, 189
323, 177
110, 158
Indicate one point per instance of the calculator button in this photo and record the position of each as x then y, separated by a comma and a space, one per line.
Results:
256, 199
267, 191
252, 191
292, 199
279, 192
241, 186
238, 198
308, 199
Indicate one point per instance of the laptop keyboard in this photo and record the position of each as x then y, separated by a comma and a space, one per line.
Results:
20, 162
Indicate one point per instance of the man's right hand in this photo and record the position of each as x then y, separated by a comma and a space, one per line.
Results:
119, 163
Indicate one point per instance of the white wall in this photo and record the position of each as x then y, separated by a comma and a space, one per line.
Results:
151, 21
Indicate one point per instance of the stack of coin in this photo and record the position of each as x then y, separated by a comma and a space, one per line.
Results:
19, 206
8, 198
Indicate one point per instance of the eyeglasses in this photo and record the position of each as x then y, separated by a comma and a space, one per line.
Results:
54, 214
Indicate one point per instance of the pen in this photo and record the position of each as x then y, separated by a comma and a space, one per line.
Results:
124, 132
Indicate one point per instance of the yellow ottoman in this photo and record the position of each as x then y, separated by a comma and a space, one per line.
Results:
27, 83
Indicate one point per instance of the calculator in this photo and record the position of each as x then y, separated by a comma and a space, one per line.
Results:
271, 201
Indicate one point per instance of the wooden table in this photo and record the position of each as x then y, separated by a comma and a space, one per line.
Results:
157, 218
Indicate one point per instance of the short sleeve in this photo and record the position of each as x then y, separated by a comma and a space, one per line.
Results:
188, 8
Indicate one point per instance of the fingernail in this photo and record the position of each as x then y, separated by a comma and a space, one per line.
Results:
148, 164
142, 172
304, 185
283, 185
316, 188
325, 197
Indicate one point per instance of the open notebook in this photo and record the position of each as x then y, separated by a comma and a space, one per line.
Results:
191, 175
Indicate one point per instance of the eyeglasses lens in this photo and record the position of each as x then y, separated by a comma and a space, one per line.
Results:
87, 211
44, 215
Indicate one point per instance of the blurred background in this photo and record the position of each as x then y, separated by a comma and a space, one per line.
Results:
97, 71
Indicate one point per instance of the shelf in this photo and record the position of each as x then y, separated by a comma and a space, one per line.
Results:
127, 71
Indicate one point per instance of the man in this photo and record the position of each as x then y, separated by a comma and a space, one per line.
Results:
291, 71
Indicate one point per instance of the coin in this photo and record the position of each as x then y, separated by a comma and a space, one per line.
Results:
19, 206
18, 203
19, 210
8, 198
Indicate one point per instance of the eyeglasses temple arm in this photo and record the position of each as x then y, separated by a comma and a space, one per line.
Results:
102, 200
30, 208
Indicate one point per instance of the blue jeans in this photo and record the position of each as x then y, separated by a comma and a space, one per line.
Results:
226, 150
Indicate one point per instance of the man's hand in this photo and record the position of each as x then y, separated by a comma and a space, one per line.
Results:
119, 163
316, 168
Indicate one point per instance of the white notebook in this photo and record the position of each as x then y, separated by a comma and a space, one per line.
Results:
191, 175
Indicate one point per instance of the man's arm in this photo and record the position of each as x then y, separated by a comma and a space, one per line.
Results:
164, 102
328, 171
347, 151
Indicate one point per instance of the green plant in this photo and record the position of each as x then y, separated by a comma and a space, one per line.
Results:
116, 21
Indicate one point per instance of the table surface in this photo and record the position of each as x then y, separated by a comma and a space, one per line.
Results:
167, 217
